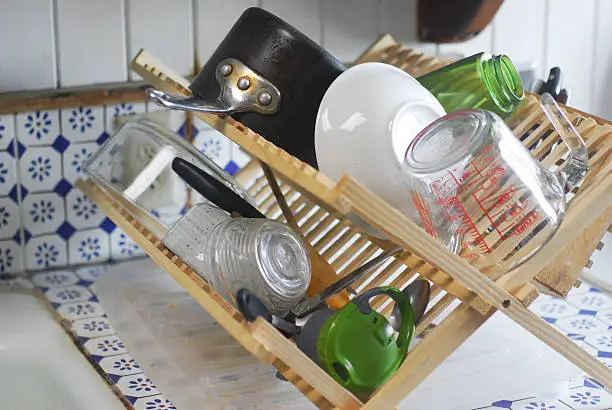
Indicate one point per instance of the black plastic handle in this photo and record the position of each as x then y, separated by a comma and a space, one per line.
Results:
251, 307
213, 190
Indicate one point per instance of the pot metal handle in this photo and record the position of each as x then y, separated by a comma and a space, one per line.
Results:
240, 89
186, 103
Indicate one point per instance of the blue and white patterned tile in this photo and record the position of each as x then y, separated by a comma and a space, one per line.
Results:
9, 218
81, 211
91, 273
46, 251
214, 145
43, 213
105, 346
40, 169
38, 127
113, 112
11, 257
581, 325
539, 404
74, 159
137, 385
553, 309
601, 341
172, 120
8, 174
501, 404
587, 398
93, 327
587, 347
605, 360
120, 365
239, 156
583, 288
123, 247
88, 247
18, 282
605, 315
154, 403
80, 124
7, 131
80, 310
55, 279
68, 294
591, 301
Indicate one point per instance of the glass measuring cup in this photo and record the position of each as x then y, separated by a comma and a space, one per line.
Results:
479, 191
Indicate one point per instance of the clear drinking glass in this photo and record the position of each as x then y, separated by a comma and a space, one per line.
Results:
261, 255
136, 163
479, 191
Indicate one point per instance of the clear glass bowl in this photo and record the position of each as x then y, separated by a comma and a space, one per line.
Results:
136, 163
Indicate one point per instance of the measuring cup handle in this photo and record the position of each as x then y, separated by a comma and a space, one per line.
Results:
407, 329
184, 103
576, 166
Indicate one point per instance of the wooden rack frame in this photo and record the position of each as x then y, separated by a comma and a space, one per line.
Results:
320, 208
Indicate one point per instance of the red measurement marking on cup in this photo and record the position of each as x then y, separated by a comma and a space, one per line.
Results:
424, 214
469, 226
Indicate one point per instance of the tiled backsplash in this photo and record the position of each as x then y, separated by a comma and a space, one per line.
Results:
44, 220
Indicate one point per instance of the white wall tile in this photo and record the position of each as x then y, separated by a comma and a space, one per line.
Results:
602, 90
92, 47
165, 29
303, 15
571, 38
482, 42
7, 131
214, 19
399, 18
349, 27
28, 45
511, 36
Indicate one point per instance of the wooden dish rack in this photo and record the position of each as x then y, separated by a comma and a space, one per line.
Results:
462, 297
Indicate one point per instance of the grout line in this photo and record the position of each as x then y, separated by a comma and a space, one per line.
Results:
56, 43
195, 43
127, 38
19, 185
545, 27
492, 39
379, 23
593, 70
321, 25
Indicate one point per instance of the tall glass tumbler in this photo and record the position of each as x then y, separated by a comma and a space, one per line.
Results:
482, 81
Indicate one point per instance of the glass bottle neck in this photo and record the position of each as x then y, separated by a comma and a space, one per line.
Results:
502, 79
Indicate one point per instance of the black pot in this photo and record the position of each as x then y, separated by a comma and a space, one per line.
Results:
294, 65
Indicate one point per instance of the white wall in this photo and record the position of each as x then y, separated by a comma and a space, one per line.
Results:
60, 43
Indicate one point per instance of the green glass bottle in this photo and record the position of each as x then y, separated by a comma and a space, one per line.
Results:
481, 81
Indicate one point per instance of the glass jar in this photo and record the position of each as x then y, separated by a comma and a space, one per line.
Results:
481, 193
482, 81
260, 255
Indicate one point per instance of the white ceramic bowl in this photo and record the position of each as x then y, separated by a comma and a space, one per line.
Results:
366, 120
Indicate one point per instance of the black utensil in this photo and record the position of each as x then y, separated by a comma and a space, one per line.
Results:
213, 190
251, 307
418, 293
